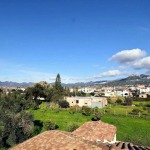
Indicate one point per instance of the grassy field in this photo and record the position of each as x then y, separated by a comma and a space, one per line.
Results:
135, 130
125, 110
119, 109
62, 118
131, 129
141, 103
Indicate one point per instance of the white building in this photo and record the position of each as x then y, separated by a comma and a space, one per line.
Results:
88, 90
144, 90
87, 101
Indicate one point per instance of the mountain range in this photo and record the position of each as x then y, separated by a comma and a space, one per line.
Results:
130, 80
15, 84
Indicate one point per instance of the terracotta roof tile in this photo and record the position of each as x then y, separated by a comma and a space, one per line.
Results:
84, 138
58, 140
96, 130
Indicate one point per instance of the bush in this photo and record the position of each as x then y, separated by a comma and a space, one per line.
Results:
94, 110
38, 125
144, 108
42, 106
74, 109
63, 104
72, 127
33, 105
97, 114
136, 111
128, 102
96, 117
119, 101
107, 110
53, 106
147, 105
86, 111
49, 125
37, 130
109, 100
148, 110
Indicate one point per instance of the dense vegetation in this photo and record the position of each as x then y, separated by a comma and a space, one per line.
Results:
16, 124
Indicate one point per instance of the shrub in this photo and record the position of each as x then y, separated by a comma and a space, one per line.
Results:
63, 104
49, 125
34, 106
148, 110
118, 101
53, 106
97, 114
144, 108
147, 105
72, 127
136, 111
86, 111
37, 130
95, 110
107, 110
74, 109
128, 101
42, 106
38, 125
109, 100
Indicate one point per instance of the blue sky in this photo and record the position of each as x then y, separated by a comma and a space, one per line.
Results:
83, 40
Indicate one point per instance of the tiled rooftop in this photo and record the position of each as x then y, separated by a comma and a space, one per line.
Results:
126, 146
96, 131
58, 140
61, 140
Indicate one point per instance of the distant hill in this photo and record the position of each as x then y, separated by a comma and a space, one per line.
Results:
15, 84
91, 83
130, 80
25, 84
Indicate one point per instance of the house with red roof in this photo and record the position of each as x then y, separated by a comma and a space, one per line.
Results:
95, 135
58, 140
97, 131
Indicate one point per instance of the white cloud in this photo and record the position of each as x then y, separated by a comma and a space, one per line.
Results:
110, 73
128, 56
143, 63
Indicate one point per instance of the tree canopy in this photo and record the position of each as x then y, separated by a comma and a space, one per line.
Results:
16, 124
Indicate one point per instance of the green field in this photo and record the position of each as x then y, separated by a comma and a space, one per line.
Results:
129, 129
135, 130
126, 110
62, 118
141, 103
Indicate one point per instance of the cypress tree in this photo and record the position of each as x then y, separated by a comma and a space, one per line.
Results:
59, 91
58, 82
